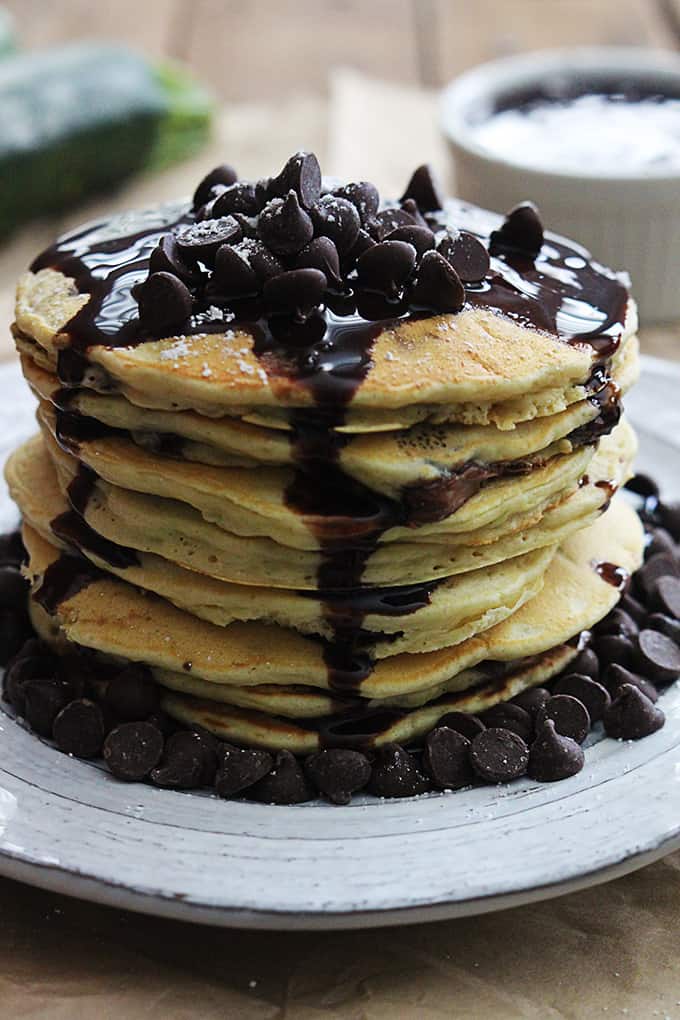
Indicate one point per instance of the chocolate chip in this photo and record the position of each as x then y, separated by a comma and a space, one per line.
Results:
14, 631
207, 211
570, 716
634, 609
659, 656
616, 676
198, 744
201, 241
178, 771
189, 761
657, 566
409, 206
262, 192
498, 756
338, 219
79, 729
301, 174
665, 625
44, 698
447, 758
295, 293
239, 197
670, 518
338, 773
387, 220
660, 541
643, 485
521, 233
221, 177
24, 668
467, 255
284, 226
133, 749
421, 238
34, 646
363, 242
163, 722
321, 254
554, 756
164, 303
617, 622
464, 723
664, 596
632, 715
132, 695
240, 768
437, 285
78, 673
263, 262
12, 551
285, 784
386, 267
531, 700
422, 188
589, 692
614, 648
363, 195
13, 588
248, 224
586, 663
233, 277
396, 774
166, 258
649, 513
508, 716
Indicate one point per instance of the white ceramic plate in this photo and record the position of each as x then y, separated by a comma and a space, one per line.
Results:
68, 826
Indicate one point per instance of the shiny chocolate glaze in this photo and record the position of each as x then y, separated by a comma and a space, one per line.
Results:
561, 292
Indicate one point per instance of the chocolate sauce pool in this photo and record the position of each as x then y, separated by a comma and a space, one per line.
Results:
561, 292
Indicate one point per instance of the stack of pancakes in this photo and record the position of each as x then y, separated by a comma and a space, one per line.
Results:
333, 539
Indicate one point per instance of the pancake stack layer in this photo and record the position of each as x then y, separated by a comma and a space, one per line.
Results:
330, 469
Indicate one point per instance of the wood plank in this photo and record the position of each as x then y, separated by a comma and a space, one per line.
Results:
468, 33
264, 49
146, 25
670, 12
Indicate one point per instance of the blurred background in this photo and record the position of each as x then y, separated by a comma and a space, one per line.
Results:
274, 49
250, 81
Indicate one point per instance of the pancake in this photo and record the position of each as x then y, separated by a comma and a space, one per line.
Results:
110, 616
386, 462
259, 504
114, 618
372, 728
176, 532
499, 348
322, 492
447, 612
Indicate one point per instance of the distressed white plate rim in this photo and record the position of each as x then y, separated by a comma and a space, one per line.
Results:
70, 827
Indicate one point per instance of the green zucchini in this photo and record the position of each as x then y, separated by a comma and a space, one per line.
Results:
8, 39
81, 119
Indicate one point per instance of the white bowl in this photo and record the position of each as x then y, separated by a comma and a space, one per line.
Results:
629, 221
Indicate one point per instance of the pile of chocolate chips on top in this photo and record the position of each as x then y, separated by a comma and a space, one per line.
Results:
90, 708
294, 245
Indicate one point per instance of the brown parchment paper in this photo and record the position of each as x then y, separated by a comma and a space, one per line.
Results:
611, 951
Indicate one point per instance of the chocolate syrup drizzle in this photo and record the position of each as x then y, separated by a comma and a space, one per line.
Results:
562, 292
611, 573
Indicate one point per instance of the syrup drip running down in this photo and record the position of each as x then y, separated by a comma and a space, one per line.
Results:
613, 574
561, 292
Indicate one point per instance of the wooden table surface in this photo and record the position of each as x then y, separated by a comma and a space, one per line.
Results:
264, 49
